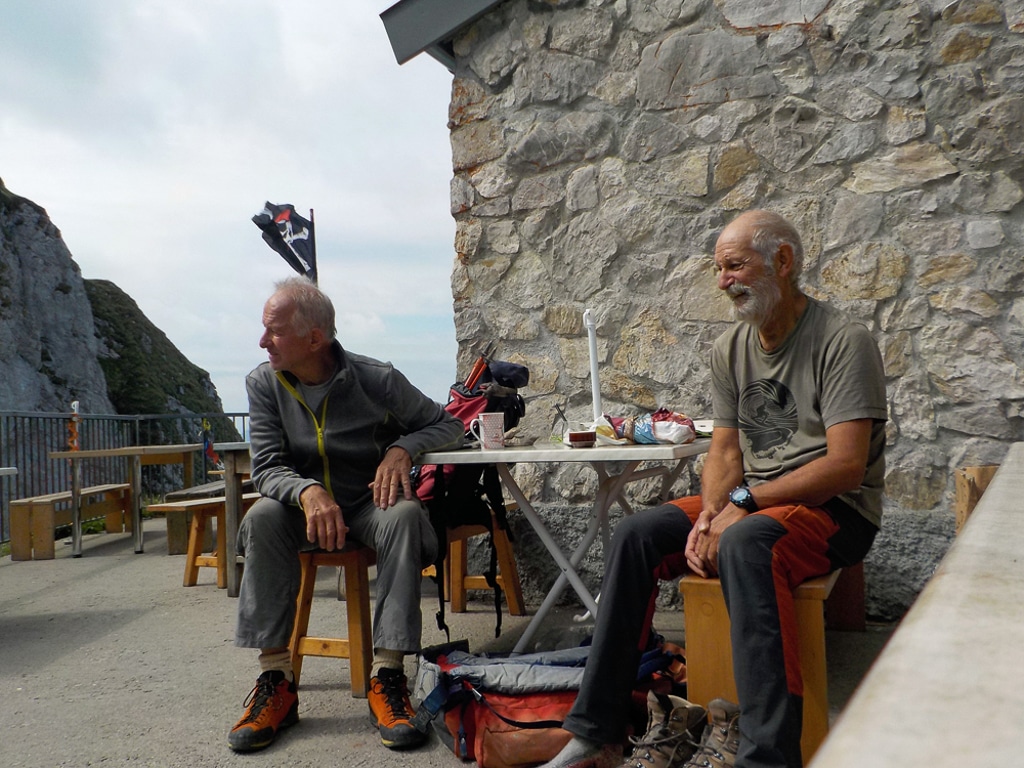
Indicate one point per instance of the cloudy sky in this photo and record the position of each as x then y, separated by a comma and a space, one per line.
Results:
153, 130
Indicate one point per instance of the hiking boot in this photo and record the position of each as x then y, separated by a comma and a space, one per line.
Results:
721, 738
673, 728
272, 704
391, 710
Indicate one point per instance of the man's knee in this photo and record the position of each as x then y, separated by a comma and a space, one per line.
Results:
266, 520
651, 527
632, 529
750, 539
407, 521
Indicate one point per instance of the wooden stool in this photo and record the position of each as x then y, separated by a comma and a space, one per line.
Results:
355, 559
457, 580
709, 649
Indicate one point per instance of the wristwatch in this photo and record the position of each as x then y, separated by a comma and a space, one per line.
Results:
743, 498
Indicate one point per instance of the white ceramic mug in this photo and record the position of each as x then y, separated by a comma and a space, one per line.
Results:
489, 429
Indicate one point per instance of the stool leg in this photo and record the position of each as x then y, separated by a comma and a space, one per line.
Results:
360, 634
509, 573
305, 601
222, 551
195, 544
455, 574
708, 645
810, 616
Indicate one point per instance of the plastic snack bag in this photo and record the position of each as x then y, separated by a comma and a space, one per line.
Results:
609, 431
663, 426
671, 427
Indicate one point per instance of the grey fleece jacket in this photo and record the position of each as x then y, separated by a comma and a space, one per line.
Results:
369, 407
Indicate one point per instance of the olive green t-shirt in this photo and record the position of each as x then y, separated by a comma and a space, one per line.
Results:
827, 371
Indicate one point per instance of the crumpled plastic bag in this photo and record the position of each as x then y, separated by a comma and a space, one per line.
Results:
663, 426
607, 434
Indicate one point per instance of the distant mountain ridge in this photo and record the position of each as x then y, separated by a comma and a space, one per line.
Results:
63, 338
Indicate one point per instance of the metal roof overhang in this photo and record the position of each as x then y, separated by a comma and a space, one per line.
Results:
414, 26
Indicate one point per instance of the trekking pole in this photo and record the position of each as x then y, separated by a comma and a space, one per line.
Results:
595, 384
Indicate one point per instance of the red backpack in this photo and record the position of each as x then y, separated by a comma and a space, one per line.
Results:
470, 494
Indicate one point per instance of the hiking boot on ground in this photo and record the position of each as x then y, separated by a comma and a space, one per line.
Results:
391, 710
721, 738
674, 726
273, 704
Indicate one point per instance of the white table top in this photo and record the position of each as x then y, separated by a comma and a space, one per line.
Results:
559, 453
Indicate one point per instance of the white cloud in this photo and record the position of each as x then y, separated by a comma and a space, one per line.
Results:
152, 132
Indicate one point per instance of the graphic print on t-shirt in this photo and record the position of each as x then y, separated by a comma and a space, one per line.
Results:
767, 416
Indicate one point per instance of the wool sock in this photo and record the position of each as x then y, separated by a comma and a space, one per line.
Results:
584, 752
383, 658
280, 661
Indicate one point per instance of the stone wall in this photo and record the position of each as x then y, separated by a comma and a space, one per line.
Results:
600, 145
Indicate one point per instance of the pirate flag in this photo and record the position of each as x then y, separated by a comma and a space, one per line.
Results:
290, 235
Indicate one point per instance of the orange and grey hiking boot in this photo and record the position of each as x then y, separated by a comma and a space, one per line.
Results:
271, 705
721, 737
391, 710
673, 727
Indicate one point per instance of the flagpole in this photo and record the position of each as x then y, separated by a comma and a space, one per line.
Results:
312, 232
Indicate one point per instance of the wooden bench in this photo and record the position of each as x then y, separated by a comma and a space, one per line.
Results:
196, 513
709, 648
34, 520
178, 525
947, 689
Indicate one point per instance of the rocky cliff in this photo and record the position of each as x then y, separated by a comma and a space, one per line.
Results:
63, 338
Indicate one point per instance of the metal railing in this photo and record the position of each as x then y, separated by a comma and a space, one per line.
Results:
27, 439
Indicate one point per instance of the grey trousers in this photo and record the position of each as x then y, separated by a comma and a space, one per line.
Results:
271, 536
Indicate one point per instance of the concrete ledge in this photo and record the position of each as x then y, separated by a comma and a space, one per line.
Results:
948, 689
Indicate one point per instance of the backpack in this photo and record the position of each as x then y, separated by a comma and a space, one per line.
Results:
502, 712
470, 494
507, 711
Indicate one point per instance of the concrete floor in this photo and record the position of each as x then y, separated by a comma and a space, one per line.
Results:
107, 659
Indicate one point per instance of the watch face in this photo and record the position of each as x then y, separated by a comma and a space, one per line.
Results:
741, 497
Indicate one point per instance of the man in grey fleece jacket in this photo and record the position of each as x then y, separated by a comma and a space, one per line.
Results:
333, 437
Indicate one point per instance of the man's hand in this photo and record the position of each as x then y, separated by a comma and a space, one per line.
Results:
392, 474
325, 525
702, 543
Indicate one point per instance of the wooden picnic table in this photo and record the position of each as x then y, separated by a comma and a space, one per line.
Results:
137, 456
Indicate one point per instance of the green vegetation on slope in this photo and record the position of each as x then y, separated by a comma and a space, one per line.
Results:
145, 372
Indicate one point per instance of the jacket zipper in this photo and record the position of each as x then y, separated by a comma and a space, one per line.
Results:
318, 423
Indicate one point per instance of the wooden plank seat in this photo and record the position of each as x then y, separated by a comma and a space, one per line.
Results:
34, 520
201, 511
178, 524
354, 560
709, 649
206, 490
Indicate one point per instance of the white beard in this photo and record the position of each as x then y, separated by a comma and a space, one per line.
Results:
762, 297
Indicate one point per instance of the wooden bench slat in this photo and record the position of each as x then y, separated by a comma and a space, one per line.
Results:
34, 519
187, 505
